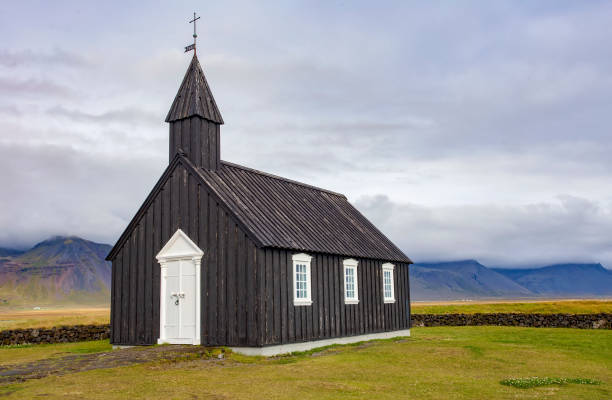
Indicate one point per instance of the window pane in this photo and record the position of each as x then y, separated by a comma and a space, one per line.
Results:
387, 284
349, 283
301, 286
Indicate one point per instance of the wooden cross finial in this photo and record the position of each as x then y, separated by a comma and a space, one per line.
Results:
195, 35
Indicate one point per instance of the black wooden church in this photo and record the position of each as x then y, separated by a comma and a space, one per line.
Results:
221, 254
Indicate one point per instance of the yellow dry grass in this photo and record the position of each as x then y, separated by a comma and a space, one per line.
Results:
568, 306
46, 318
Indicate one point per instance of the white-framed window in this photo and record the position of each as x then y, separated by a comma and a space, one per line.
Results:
301, 280
388, 284
351, 285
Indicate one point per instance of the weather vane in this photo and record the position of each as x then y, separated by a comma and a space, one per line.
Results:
195, 35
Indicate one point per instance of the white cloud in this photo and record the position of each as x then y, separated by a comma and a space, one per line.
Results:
486, 111
566, 229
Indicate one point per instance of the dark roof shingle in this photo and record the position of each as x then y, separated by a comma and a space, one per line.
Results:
287, 214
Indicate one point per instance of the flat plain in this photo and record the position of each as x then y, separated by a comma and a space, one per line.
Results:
13, 319
568, 306
435, 363
47, 318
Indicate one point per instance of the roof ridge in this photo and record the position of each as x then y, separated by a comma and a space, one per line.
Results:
269, 175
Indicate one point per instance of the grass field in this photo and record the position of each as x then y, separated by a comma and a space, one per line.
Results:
73, 316
54, 317
435, 363
542, 306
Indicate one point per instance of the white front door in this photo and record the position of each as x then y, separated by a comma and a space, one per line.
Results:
179, 305
179, 325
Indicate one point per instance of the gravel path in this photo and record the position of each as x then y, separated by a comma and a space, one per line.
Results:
86, 362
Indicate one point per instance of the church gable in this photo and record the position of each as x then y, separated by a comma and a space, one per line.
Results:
178, 196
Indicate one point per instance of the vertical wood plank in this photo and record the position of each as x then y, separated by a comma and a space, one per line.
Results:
184, 201
196, 134
260, 316
157, 245
133, 284
213, 146
203, 222
125, 297
320, 297
148, 266
269, 297
249, 279
313, 331
291, 309
336, 286
141, 317
233, 278
174, 206
277, 296
178, 138
172, 145
222, 276
284, 298
205, 143
330, 286
212, 272
116, 300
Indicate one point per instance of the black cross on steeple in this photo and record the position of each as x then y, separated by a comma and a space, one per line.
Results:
195, 35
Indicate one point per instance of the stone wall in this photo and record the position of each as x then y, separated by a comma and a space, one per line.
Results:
582, 321
60, 334
79, 333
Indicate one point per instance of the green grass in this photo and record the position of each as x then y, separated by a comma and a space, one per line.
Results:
549, 307
435, 363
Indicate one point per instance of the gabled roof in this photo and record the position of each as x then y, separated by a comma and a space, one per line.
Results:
281, 213
288, 214
194, 97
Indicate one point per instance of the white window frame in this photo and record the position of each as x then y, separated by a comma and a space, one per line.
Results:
350, 263
303, 259
391, 268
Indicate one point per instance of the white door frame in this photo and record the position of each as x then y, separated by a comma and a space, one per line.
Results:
179, 247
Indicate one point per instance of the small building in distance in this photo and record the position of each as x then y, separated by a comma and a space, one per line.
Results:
224, 255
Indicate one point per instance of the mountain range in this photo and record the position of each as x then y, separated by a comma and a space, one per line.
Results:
469, 279
72, 271
60, 270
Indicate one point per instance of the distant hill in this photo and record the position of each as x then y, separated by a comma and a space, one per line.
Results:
60, 270
4, 252
461, 280
563, 279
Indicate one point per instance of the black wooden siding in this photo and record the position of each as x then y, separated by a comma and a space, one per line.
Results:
199, 139
228, 285
328, 316
247, 289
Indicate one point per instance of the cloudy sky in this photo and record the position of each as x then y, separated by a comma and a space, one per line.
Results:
473, 130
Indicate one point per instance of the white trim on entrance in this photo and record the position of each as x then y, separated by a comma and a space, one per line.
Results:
179, 247
268, 351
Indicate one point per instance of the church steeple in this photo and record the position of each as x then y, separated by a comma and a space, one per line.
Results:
195, 120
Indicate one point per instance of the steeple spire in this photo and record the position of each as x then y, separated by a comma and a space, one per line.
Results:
194, 97
195, 120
